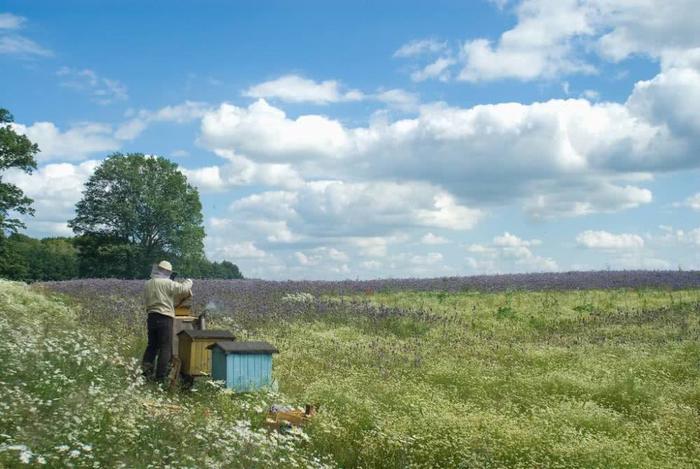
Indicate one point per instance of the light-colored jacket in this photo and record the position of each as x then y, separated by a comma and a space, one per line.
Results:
162, 294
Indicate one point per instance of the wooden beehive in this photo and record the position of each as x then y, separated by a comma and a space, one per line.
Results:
184, 305
193, 351
243, 366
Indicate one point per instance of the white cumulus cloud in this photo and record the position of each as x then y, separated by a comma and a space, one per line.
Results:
241, 250
55, 188
510, 240
338, 209
243, 172
693, 202
75, 143
439, 69
420, 47
431, 258
139, 121
556, 158
559, 157
321, 255
604, 240
508, 253
680, 236
398, 98
297, 89
540, 45
264, 132
551, 37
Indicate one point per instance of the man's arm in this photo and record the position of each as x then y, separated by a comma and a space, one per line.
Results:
181, 288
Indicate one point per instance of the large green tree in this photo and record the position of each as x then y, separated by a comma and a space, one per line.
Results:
135, 210
16, 151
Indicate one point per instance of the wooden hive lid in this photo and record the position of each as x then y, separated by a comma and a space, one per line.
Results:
207, 334
230, 346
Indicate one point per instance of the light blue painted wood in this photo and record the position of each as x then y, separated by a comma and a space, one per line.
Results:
236, 378
248, 372
229, 373
267, 369
252, 376
247, 378
257, 370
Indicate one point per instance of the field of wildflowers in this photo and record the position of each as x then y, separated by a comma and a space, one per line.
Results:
550, 370
72, 397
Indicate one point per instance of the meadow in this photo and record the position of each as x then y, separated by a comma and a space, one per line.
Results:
551, 370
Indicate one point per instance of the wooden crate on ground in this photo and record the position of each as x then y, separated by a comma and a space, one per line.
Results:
285, 417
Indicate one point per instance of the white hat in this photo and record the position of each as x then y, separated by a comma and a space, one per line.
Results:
165, 265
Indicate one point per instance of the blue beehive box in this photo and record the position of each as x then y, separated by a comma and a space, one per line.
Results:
243, 366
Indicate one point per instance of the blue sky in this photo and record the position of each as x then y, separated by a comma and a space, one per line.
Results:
377, 139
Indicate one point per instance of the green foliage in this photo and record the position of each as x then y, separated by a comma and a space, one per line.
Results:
16, 151
225, 269
108, 256
203, 268
584, 308
28, 259
136, 210
441, 296
504, 312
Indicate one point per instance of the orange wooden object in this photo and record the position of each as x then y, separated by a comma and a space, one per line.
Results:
288, 418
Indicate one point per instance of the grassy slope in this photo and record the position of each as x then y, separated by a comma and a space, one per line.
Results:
570, 379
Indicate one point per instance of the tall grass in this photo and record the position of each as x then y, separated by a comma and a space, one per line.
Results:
564, 379
404, 379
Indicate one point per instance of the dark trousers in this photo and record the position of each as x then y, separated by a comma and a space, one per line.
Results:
160, 343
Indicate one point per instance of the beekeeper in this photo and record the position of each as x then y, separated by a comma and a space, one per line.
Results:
161, 294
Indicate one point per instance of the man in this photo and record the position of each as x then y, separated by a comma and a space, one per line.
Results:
161, 294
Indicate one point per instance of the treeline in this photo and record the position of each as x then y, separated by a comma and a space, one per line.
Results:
29, 260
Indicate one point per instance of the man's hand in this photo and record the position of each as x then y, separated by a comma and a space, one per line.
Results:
182, 288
